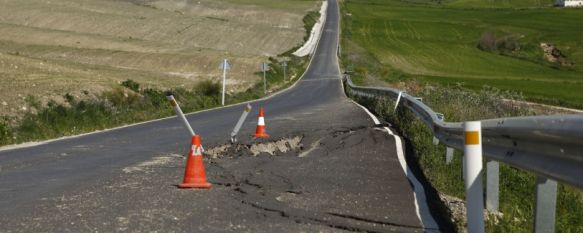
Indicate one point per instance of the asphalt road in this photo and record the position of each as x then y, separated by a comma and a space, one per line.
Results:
344, 176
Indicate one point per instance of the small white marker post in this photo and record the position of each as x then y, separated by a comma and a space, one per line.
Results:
284, 65
240, 123
398, 99
473, 181
224, 66
264, 68
179, 113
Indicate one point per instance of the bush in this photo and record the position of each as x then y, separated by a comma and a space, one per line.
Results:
209, 88
69, 98
487, 42
121, 99
505, 44
508, 44
131, 84
154, 97
5, 132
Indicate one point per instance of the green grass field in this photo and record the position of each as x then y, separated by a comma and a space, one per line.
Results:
436, 41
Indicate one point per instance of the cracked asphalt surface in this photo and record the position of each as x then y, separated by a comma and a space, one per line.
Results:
344, 177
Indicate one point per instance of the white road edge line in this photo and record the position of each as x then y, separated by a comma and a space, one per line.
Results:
38, 143
421, 206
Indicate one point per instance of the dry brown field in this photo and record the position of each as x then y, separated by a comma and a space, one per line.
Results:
52, 47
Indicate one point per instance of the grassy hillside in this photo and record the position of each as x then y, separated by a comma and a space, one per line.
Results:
437, 41
50, 48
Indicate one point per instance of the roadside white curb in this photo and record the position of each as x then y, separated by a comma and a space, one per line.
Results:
310, 46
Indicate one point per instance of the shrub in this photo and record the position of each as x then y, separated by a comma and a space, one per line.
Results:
505, 44
508, 44
209, 88
5, 132
131, 84
121, 99
155, 97
69, 98
487, 41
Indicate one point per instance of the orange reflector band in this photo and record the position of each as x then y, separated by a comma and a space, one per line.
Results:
472, 138
173, 103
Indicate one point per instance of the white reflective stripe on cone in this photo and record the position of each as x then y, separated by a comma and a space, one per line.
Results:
261, 121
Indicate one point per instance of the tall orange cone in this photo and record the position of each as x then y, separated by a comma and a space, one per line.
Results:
260, 130
194, 174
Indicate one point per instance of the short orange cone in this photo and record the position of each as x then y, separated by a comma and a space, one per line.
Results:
260, 130
194, 175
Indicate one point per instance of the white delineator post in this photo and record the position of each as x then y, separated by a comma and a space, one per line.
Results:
179, 113
284, 66
240, 123
473, 181
397, 102
264, 83
224, 80
264, 68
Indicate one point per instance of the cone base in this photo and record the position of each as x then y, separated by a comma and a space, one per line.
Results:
263, 135
205, 185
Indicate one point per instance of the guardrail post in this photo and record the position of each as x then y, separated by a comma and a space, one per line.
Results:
448, 150
473, 181
441, 118
448, 155
545, 206
492, 185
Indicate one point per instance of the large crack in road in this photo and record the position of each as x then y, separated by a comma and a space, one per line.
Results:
338, 187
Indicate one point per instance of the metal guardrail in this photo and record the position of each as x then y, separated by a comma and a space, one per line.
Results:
549, 146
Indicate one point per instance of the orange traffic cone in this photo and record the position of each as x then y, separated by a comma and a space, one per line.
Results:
194, 175
260, 130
